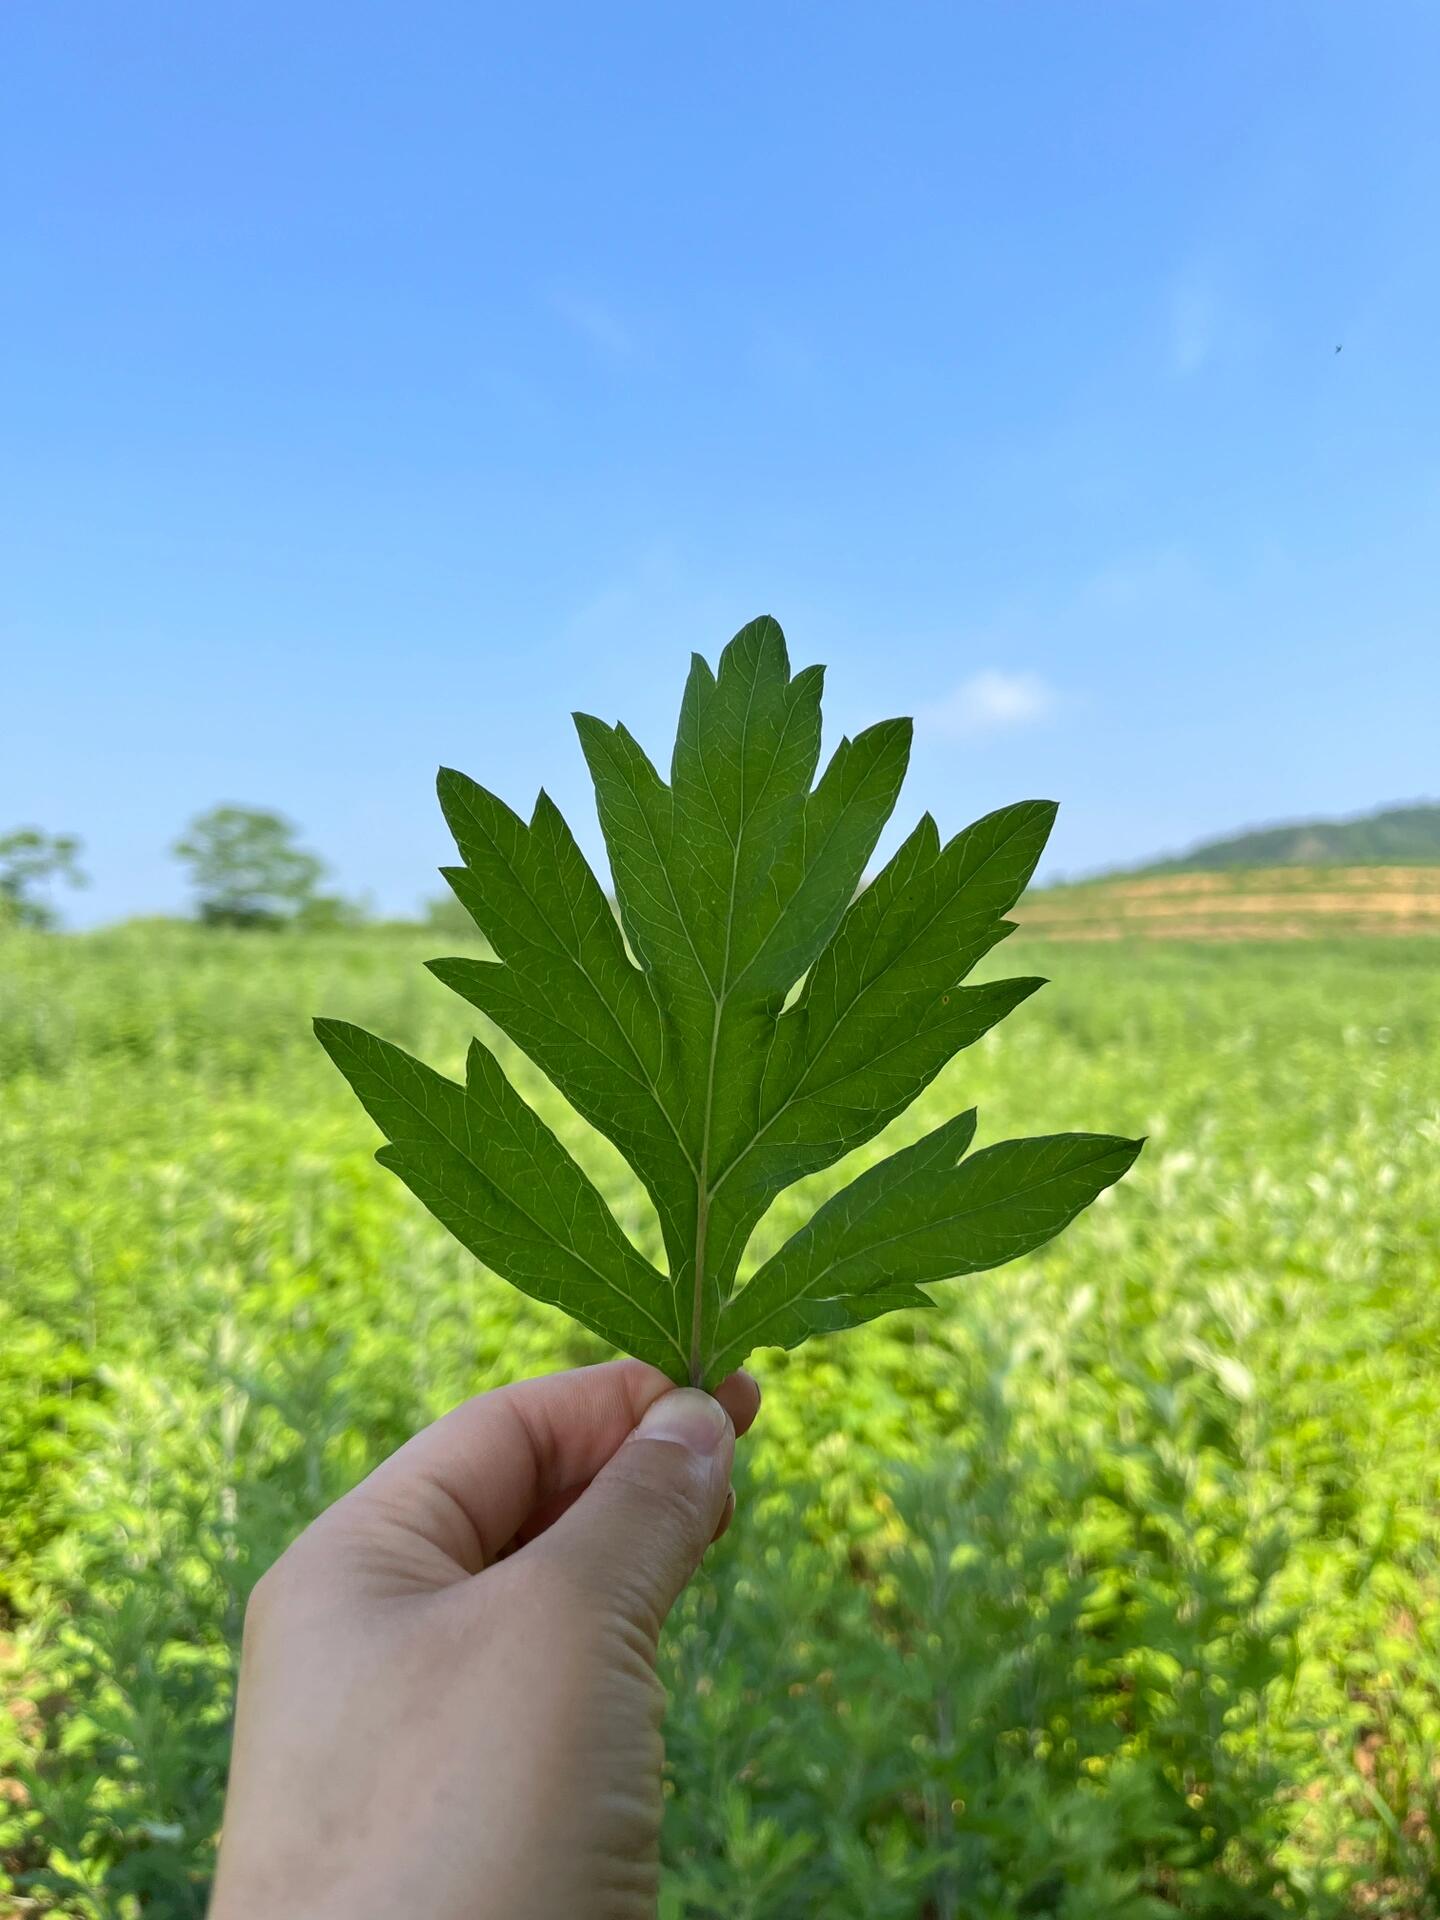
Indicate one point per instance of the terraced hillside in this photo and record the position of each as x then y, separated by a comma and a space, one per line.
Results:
1270, 903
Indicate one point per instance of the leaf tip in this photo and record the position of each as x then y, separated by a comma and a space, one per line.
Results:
1127, 1152
1022, 985
593, 733
333, 1035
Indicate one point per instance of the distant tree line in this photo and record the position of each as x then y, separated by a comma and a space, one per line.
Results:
246, 869
1407, 836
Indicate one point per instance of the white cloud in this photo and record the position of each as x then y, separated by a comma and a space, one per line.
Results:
990, 702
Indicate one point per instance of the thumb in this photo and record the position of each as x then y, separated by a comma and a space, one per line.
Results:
639, 1530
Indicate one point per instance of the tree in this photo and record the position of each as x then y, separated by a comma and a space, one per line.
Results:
29, 860
246, 869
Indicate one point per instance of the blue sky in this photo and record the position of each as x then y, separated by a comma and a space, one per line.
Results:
381, 382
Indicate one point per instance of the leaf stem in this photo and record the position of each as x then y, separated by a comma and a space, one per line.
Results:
702, 1207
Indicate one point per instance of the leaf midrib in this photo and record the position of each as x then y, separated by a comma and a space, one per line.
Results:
703, 1193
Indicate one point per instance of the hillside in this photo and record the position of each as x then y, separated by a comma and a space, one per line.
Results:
1267, 903
1391, 837
1375, 873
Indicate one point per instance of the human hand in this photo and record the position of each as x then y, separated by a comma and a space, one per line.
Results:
447, 1701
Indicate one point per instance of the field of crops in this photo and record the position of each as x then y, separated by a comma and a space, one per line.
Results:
1111, 1588
1264, 903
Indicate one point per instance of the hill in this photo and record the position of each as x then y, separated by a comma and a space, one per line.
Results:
1391, 837
1376, 873
1242, 903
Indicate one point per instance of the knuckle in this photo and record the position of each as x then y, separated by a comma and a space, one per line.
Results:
664, 1485
665, 1510
265, 1599
278, 1589
633, 1637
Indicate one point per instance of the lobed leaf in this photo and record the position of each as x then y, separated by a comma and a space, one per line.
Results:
921, 1215
490, 1170
754, 1013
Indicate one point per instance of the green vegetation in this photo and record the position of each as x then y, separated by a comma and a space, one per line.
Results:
30, 864
738, 886
1109, 1588
1394, 836
247, 870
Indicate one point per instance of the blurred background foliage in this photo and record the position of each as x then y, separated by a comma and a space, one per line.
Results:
1110, 1588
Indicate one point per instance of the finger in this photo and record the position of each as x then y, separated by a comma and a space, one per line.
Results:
740, 1397
637, 1533
469, 1482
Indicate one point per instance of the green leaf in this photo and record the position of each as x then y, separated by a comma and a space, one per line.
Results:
755, 1013
490, 1170
921, 1216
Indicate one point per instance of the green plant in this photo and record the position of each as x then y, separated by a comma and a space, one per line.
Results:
737, 890
30, 861
219, 1314
247, 870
